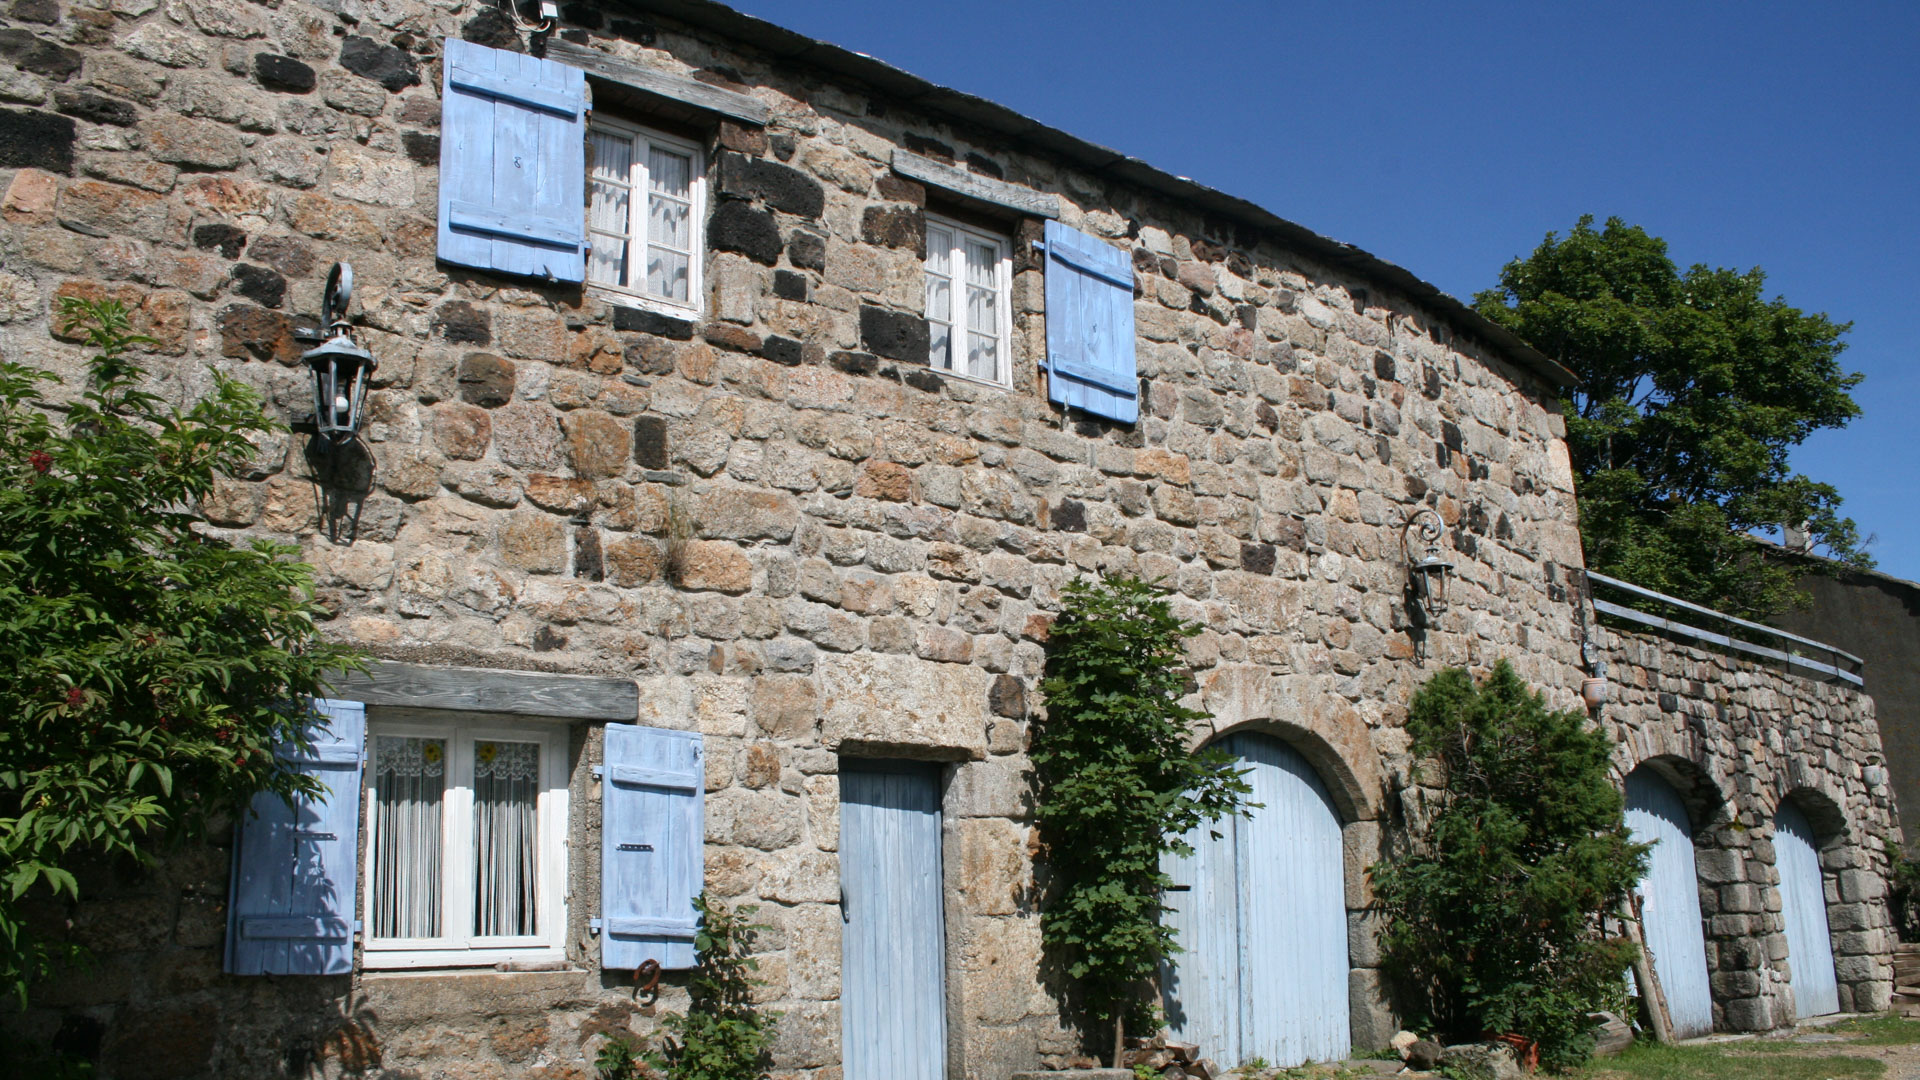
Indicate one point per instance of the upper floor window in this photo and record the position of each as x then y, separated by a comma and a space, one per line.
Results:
644, 212
969, 274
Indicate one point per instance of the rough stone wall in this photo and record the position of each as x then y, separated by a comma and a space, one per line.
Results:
1736, 740
874, 548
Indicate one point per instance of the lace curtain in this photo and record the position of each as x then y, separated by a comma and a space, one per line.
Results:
506, 778
411, 779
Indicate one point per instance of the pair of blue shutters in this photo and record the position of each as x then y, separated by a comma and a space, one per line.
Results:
513, 163
296, 868
513, 199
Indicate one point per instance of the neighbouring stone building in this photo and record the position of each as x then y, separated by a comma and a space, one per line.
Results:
752, 536
1876, 617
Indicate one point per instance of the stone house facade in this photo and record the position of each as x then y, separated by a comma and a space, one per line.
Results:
798, 473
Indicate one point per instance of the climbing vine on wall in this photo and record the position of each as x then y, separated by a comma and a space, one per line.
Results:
1118, 787
1493, 917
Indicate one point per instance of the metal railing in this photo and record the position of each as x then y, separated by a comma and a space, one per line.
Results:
1841, 665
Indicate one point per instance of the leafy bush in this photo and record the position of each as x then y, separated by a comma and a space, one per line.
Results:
618, 1059
147, 669
1118, 787
1493, 919
723, 1035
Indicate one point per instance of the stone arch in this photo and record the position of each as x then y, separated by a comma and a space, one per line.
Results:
1708, 799
1705, 783
1335, 739
1813, 796
1355, 798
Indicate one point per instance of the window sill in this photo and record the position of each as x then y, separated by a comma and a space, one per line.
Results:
456, 960
951, 373
457, 972
619, 298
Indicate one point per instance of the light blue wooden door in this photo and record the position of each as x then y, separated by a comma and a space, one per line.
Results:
1263, 922
1670, 901
1803, 900
893, 993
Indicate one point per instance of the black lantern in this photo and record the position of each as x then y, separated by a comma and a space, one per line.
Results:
341, 369
1426, 570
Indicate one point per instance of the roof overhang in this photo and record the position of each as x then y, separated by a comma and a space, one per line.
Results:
885, 79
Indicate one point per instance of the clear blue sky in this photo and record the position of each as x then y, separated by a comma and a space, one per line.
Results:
1451, 137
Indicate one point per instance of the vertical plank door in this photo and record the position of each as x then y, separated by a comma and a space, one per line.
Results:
1260, 913
893, 1017
1803, 899
1293, 903
1670, 901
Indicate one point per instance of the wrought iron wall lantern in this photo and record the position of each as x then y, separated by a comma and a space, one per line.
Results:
1427, 571
341, 368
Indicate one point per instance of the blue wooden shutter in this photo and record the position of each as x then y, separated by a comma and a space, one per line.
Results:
652, 846
294, 872
513, 163
1090, 325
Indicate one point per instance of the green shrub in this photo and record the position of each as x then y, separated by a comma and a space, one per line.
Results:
147, 667
723, 1035
1493, 918
1118, 787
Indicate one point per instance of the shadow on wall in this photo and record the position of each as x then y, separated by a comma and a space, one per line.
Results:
346, 1046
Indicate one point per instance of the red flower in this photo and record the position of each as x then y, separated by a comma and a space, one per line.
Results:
41, 460
75, 696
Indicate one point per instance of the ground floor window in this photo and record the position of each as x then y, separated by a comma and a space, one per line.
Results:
465, 853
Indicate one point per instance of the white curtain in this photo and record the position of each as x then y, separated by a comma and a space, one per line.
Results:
669, 211
983, 316
608, 213
506, 778
411, 780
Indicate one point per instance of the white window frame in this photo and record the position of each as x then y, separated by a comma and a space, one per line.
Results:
637, 218
957, 285
458, 947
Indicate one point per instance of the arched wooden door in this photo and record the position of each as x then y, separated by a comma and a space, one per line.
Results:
1803, 902
1262, 918
1670, 901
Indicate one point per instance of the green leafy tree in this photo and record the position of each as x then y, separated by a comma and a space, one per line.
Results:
1492, 919
147, 668
1118, 786
723, 1034
1693, 390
